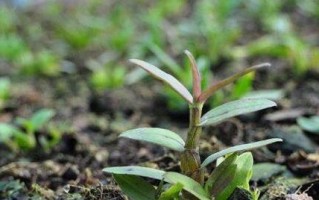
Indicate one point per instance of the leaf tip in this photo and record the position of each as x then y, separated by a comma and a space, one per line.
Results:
187, 52
196, 75
107, 170
279, 140
133, 60
272, 103
262, 65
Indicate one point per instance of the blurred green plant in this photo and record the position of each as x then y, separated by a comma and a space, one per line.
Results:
233, 171
11, 189
310, 7
157, 17
11, 47
281, 40
240, 88
120, 30
76, 33
301, 55
5, 93
8, 19
106, 73
22, 135
212, 28
310, 124
109, 77
40, 63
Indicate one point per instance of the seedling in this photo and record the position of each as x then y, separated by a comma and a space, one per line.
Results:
41, 63
109, 76
11, 47
241, 87
23, 135
234, 172
77, 35
181, 73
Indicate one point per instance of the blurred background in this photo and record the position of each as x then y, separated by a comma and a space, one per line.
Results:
66, 81
94, 39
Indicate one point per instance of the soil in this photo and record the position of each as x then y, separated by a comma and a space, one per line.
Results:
74, 166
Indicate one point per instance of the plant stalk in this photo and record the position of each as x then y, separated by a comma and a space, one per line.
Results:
190, 160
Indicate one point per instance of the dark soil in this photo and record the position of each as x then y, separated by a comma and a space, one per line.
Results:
74, 166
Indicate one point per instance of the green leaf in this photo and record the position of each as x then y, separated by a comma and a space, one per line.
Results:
189, 184
241, 178
6, 131
222, 175
167, 78
136, 170
309, 124
158, 136
244, 171
41, 117
266, 171
172, 193
4, 89
234, 108
265, 94
24, 141
196, 75
213, 88
242, 147
135, 187
242, 86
